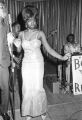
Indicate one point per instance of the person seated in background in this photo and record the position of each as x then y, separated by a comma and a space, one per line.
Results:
70, 48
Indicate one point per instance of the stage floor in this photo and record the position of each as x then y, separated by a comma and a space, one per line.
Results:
60, 106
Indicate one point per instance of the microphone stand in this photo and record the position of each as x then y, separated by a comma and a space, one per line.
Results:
13, 97
12, 72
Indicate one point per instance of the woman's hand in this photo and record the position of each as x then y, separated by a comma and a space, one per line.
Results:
65, 57
68, 55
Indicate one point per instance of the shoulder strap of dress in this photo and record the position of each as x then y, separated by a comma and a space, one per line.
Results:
36, 35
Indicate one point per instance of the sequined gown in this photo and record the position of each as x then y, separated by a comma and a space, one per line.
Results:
34, 98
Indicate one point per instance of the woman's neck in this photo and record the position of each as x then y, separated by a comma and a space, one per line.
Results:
31, 30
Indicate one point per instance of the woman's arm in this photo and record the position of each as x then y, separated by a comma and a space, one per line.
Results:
48, 48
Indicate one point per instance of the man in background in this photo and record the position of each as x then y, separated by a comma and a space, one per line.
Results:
17, 59
70, 48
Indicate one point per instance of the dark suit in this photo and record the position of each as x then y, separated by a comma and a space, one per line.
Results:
4, 64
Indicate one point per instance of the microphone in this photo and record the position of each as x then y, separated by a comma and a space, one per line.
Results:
10, 22
10, 37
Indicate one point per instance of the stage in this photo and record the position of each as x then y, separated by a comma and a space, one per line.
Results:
60, 106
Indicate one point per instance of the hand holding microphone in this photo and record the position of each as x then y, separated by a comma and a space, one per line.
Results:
68, 55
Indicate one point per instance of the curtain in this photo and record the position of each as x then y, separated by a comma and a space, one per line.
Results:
57, 18
30, 0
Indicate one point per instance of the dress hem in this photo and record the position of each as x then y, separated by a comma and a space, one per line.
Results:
34, 116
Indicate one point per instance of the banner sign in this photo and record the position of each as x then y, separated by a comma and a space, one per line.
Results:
77, 74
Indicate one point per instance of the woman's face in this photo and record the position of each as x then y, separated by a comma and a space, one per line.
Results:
31, 23
25, 16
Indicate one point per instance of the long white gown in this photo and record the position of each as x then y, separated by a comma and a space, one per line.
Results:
34, 97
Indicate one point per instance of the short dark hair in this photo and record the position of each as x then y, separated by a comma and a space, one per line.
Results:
72, 36
15, 23
29, 11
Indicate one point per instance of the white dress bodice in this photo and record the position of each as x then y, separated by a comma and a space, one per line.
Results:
32, 50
